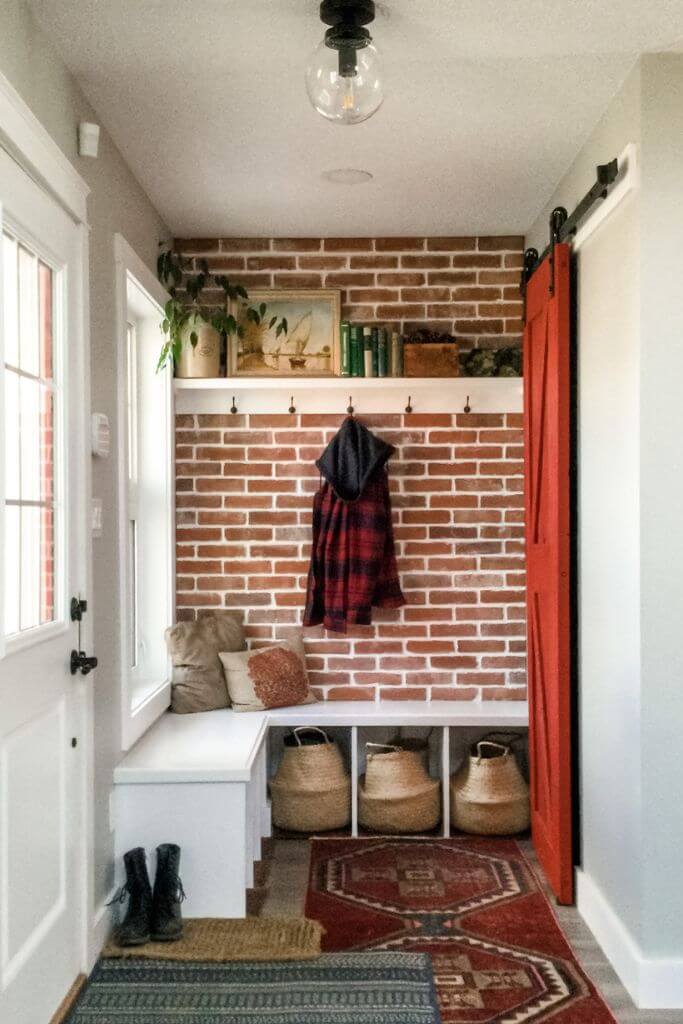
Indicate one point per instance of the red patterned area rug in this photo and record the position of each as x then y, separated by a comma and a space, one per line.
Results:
475, 905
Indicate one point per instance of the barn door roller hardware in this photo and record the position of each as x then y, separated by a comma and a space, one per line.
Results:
563, 226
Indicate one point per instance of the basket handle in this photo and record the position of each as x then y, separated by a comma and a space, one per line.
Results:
309, 728
490, 743
499, 735
383, 746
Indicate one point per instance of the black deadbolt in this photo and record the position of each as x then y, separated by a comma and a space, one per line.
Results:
80, 662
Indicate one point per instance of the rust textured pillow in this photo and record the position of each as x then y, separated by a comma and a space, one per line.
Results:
198, 680
269, 677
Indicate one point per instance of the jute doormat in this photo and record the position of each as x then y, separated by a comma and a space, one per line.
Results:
222, 940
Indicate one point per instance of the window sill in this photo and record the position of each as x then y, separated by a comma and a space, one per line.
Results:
153, 698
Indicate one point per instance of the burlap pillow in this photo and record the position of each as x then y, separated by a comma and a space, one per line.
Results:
270, 677
198, 680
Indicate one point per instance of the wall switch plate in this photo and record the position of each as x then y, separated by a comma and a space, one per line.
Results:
96, 517
100, 435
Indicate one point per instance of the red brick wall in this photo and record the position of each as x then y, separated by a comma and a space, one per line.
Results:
245, 487
468, 286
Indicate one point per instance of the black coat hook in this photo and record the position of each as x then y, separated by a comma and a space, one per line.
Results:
409, 407
292, 407
467, 405
349, 407
233, 407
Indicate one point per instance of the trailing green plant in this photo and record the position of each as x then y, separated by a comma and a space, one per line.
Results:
178, 313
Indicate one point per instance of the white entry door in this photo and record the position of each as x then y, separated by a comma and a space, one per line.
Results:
43, 561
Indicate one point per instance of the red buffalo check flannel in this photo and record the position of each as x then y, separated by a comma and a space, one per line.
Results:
353, 562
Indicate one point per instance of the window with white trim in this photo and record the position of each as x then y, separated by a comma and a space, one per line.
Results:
146, 503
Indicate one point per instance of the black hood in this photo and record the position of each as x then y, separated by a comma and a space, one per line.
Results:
351, 458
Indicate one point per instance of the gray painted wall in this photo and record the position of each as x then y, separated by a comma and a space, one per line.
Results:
116, 204
631, 493
661, 501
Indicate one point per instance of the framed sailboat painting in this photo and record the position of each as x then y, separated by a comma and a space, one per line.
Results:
308, 348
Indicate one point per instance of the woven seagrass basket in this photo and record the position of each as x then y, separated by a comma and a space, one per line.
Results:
311, 791
420, 744
489, 796
396, 794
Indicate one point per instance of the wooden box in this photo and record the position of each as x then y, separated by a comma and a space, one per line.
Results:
431, 359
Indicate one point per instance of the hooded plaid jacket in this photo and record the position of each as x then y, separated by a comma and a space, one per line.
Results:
353, 563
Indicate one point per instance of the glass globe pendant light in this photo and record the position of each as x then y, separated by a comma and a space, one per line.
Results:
343, 75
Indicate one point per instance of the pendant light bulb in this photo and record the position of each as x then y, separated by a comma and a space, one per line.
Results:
343, 76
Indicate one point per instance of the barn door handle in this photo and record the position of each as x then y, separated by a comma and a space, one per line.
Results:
80, 662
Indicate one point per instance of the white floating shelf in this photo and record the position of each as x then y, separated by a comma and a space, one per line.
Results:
370, 394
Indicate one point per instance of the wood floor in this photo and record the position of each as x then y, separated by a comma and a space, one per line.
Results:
69, 1000
283, 891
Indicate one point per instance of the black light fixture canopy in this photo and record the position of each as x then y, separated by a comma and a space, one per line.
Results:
347, 20
347, 33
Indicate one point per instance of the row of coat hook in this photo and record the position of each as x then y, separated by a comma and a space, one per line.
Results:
350, 408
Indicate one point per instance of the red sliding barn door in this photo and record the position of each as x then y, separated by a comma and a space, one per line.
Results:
547, 447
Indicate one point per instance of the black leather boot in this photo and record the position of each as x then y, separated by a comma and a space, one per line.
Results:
135, 928
167, 922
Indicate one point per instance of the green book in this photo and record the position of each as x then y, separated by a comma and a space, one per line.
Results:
374, 340
345, 347
356, 351
382, 353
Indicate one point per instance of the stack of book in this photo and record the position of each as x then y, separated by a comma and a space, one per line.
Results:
370, 351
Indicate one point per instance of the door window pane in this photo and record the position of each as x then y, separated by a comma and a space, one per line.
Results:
12, 575
10, 298
30, 391
30, 568
29, 337
29, 434
45, 321
12, 437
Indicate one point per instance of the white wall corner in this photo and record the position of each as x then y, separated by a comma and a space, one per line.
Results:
653, 984
101, 928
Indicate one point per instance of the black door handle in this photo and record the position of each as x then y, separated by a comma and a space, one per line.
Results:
80, 662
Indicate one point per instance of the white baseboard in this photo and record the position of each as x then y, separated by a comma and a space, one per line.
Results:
653, 984
100, 930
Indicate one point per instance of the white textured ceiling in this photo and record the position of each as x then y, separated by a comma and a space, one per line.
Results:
487, 103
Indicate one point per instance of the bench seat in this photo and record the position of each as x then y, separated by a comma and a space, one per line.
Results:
201, 781
214, 746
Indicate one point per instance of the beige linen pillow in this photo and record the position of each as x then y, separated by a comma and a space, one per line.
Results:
269, 677
198, 680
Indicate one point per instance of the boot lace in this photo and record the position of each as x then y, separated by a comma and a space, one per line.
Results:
179, 893
119, 896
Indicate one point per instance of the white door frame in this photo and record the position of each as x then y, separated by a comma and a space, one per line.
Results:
35, 151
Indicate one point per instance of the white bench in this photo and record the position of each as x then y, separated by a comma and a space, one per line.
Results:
201, 781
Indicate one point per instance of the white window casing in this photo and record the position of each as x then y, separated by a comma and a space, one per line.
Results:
146, 505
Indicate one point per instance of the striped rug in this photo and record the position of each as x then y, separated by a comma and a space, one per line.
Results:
338, 988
